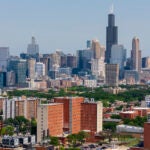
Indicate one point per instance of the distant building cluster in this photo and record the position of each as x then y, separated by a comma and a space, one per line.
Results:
94, 66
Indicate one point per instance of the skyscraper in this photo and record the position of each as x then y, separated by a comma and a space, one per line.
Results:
4, 55
88, 44
98, 68
40, 69
98, 50
111, 36
118, 56
33, 48
20, 68
31, 68
111, 74
136, 62
83, 59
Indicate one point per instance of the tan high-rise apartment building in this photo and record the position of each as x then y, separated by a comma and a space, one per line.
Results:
136, 62
20, 106
31, 108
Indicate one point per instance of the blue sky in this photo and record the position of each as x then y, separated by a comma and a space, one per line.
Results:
67, 24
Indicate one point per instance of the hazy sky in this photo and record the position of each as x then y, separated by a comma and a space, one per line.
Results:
67, 24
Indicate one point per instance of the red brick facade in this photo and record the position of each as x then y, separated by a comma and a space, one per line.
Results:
147, 136
89, 120
72, 112
129, 115
55, 119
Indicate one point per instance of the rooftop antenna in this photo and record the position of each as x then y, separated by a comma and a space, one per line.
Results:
111, 9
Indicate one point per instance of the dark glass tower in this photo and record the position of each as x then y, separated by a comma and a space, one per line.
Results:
111, 36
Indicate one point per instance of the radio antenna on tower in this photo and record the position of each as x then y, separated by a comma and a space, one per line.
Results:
111, 9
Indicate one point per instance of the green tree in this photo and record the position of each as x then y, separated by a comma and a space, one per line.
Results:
110, 126
115, 116
82, 135
33, 126
54, 141
8, 130
72, 138
20, 122
3, 131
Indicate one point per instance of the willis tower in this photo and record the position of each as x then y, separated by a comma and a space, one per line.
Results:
111, 35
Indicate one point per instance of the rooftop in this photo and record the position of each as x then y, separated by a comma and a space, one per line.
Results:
143, 108
128, 112
50, 104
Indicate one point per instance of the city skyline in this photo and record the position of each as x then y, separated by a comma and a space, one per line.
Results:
67, 25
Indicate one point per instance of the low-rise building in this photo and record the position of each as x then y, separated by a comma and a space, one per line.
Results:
92, 83
129, 129
115, 90
129, 114
142, 111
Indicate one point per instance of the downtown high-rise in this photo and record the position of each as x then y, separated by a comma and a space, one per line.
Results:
136, 62
111, 36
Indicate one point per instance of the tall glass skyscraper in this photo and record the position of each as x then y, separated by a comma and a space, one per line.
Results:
20, 69
111, 36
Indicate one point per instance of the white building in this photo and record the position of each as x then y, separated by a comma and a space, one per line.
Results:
40, 69
90, 83
129, 129
33, 48
98, 67
8, 108
147, 100
19, 106
4, 55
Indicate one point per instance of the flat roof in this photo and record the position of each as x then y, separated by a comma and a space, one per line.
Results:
67, 97
50, 104
141, 108
128, 112
2, 97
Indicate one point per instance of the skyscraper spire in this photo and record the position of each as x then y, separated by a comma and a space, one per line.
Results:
111, 11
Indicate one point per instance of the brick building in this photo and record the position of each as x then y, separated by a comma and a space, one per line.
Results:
50, 120
68, 115
129, 114
2, 99
91, 114
137, 111
147, 135
20, 106
142, 111
72, 112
